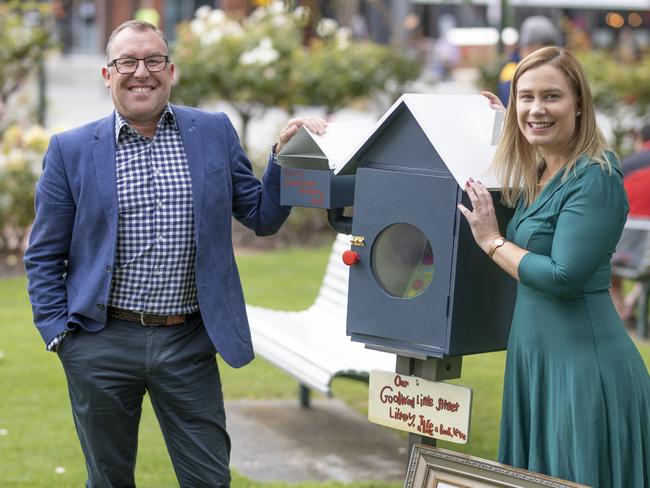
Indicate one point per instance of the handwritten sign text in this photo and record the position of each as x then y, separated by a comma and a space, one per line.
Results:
430, 408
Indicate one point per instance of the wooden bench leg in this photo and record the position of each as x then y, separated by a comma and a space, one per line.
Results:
642, 311
304, 396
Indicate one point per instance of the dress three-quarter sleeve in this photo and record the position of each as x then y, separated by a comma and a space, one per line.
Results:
587, 229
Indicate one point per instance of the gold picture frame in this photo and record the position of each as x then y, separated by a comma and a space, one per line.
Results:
431, 467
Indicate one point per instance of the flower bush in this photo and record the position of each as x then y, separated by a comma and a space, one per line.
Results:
21, 154
334, 69
262, 61
25, 38
245, 61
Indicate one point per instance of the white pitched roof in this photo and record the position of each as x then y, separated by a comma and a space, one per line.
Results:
331, 150
463, 129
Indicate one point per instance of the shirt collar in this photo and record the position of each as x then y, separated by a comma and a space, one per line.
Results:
167, 118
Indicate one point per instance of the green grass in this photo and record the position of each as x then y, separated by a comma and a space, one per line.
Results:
34, 407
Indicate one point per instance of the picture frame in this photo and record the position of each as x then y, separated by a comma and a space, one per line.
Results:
431, 467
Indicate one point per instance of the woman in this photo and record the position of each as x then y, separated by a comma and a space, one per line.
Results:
576, 402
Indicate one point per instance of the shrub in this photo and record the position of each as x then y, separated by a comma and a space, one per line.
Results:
620, 90
261, 61
21, 153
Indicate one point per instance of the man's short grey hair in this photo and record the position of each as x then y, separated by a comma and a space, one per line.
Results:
138, 25
538, 30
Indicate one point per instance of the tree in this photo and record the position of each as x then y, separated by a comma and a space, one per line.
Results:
25, 37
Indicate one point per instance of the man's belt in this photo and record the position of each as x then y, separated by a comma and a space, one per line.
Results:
148, 318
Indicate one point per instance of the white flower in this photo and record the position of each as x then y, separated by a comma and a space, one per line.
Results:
258, 14
59, 470
327, 27
276, 7
301, 12
233, 29
203, 12
263, 54
279, 21
343, 36
216, 17
249, 57
198, 27
4, 432
211, 36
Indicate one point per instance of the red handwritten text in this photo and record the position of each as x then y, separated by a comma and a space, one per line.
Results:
447, 405
407, 417
386, 396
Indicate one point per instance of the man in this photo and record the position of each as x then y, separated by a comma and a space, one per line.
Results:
131, 270
536, 32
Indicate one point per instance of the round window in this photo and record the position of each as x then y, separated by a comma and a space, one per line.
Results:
402, 261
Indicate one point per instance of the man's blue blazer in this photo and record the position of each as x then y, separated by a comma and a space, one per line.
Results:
71, 254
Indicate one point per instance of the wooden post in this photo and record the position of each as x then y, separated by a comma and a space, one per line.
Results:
433, 369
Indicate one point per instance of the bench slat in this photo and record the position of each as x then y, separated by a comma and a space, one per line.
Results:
312, 345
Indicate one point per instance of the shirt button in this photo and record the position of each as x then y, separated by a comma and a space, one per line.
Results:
108, 269
160, 204
100, 306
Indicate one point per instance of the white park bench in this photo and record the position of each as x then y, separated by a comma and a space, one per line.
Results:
312, 345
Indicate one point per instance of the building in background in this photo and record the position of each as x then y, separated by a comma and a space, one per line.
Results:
84, 25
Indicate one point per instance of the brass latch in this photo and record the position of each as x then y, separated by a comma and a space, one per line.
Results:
357, 240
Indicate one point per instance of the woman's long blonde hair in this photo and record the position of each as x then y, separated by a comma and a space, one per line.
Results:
517, 162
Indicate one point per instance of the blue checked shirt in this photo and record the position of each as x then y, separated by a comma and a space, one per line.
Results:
154, 263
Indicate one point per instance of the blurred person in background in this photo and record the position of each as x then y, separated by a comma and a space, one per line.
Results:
632, 249
536, 32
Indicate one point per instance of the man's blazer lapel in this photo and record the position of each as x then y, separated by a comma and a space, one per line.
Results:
193, 144
103, 148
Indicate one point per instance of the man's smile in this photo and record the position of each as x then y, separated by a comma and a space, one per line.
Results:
141, 89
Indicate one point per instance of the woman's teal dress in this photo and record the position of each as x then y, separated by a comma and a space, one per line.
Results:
576, 402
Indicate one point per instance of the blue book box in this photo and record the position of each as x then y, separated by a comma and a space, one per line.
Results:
419, 286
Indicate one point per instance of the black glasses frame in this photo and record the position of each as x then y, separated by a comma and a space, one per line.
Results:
137, 62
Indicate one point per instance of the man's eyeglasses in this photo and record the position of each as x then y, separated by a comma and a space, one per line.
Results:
127, 66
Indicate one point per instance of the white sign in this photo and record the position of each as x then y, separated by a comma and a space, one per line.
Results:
429, 408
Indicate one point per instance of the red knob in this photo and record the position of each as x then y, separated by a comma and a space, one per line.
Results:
351, 257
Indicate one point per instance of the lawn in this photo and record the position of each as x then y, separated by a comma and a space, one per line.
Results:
36, 430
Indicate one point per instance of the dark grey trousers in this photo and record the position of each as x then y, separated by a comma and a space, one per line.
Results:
108, 374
